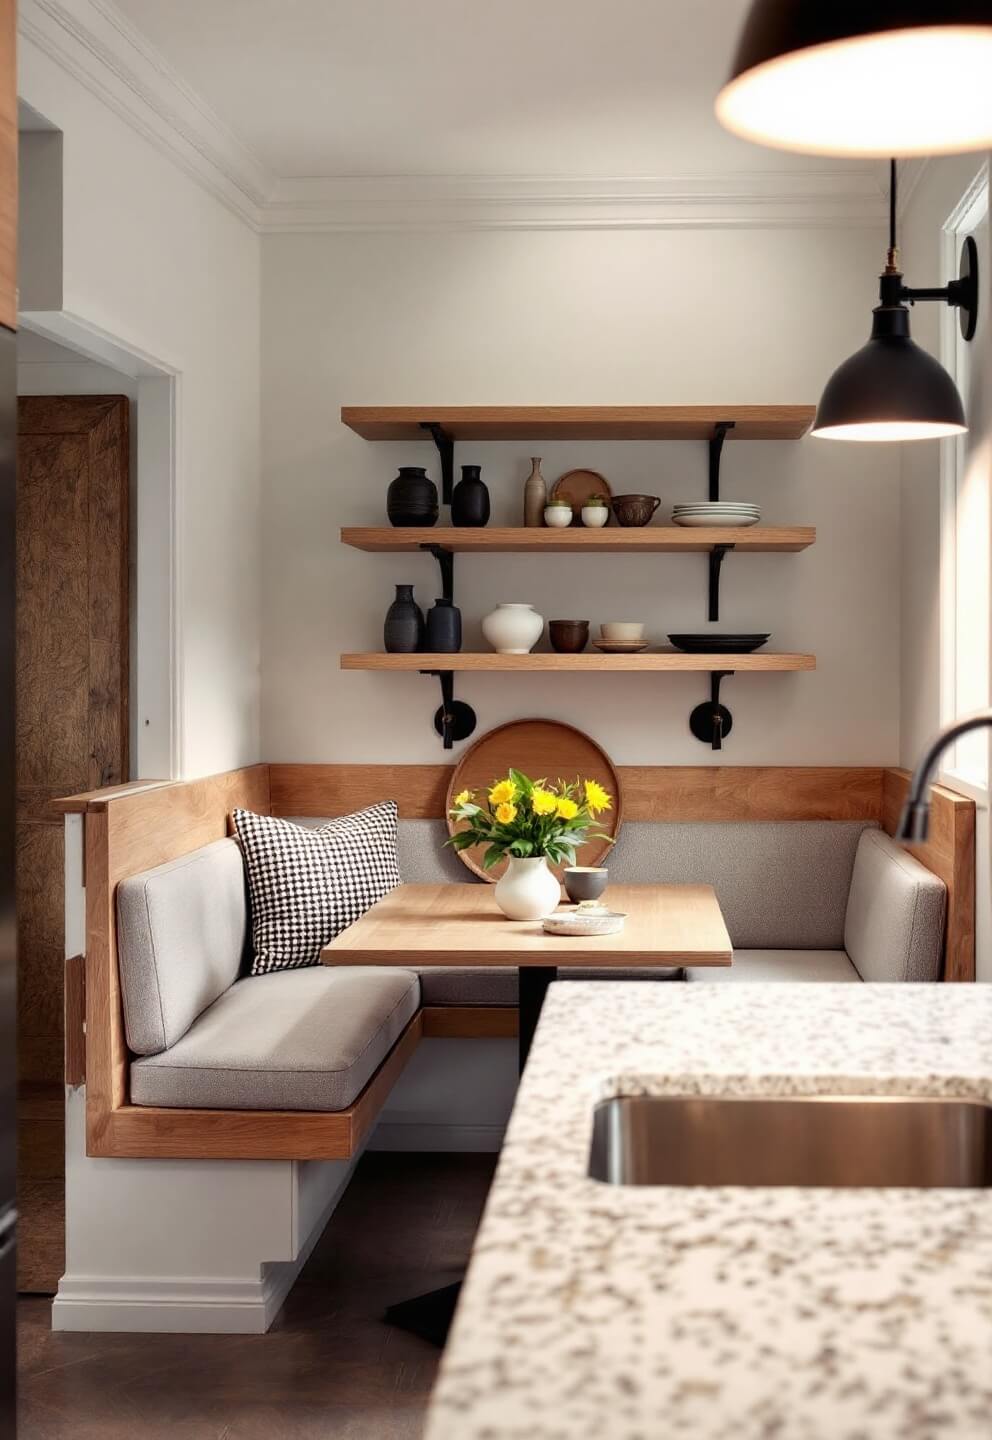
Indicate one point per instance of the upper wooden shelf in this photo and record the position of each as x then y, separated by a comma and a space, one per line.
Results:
646, 540
578, 422
649, 661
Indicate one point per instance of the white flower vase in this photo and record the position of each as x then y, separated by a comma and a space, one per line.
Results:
527, 890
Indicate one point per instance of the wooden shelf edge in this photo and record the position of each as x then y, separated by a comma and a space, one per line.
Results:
578, 422
651, 539
647, 664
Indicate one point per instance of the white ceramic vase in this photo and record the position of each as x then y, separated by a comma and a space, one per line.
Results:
528, 890
513, 629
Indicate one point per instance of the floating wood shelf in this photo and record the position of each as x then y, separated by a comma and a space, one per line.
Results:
645, 663
578, 422
649, 540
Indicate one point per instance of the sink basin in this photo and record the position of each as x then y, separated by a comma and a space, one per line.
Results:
824, 1140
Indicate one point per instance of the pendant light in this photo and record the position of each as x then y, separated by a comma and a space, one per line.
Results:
863, 77
892, 389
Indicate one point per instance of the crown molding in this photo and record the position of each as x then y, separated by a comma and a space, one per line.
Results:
93, 41
760, 199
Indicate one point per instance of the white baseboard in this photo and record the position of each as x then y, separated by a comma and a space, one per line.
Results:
149, 1305
466, 1139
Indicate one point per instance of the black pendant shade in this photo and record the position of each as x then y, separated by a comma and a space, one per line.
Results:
863, 77
890, 389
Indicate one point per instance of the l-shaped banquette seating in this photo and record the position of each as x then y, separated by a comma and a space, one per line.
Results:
189, 1055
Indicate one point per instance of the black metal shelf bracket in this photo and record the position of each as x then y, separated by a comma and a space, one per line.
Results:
446, 449
446, 564
717, 556
716, 450
453, 720
711, 722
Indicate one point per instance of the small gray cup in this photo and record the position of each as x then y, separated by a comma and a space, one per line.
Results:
584, 882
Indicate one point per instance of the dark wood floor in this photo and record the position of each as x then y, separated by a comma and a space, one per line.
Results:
328, 1368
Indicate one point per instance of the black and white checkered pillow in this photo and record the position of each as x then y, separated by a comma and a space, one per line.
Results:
306, 886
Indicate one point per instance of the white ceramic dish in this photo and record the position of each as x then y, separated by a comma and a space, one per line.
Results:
717, 521
621, 647
574, 922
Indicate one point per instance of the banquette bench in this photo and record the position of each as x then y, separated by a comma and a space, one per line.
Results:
187, 1056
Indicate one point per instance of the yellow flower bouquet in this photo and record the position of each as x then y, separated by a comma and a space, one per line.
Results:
525, 819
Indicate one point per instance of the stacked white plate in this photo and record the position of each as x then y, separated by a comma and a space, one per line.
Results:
725, 513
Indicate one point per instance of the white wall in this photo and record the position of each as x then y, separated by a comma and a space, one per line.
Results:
600, 317
153, 260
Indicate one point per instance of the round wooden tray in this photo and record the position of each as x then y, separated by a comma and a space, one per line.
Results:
542, 749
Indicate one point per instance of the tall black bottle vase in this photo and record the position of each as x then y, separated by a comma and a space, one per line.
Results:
470, 499
403, 630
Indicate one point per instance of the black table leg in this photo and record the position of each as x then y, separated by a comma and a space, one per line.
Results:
430, 1315
534, 982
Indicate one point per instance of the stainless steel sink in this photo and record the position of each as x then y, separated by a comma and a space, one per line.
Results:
828, 1140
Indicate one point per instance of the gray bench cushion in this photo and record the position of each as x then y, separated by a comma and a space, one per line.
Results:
802, 965
895, 913
182, 931
295, 1040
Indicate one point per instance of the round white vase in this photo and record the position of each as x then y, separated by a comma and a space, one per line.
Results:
513, 629
528, 890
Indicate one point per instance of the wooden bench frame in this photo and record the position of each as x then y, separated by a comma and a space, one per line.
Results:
131, 828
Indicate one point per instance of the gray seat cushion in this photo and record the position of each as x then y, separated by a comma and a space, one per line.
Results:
801, 965
895, 914
295, 1040
182, 933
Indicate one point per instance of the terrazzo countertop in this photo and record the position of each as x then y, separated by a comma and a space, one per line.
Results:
643, 1313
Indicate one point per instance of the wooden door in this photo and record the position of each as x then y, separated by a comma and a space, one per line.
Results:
72, 735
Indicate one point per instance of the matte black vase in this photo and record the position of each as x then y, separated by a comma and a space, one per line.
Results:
403, 631
444, 628
412, 498
470, 499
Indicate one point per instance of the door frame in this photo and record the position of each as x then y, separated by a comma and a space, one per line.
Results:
157, 677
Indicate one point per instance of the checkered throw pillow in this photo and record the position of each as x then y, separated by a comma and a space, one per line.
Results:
306, 886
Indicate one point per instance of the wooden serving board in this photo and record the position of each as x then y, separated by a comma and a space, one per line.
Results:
542, 749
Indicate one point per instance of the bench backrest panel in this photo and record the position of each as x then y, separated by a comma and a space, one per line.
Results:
182, 933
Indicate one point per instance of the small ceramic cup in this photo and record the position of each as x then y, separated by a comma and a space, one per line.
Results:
558, 514
595, 512
623, 632
568, 636
634, 510
584, 882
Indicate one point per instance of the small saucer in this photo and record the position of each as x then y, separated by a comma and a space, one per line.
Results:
621, 647
574, 922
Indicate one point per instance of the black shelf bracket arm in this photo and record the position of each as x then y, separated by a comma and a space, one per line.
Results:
446, 449
453, 720
717, 556
446, 564
711, 722
716, 450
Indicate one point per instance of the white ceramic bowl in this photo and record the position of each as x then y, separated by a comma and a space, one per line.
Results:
627, 631
557, 517
728, 521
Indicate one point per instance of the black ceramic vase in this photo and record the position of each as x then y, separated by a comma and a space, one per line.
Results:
412, 498
470, 499
403, 631
444, 628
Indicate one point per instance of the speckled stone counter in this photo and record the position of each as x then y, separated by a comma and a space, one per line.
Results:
643, 1313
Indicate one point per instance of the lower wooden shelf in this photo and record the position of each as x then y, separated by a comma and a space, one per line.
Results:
647, 662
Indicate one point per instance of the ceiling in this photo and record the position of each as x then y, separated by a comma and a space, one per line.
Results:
319, 88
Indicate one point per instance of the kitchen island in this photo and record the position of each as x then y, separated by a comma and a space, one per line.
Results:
642, 1313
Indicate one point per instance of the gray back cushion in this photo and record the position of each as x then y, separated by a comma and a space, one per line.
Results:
182, 931
895, 914
780, 885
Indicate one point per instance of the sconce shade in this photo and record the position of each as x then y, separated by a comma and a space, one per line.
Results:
890, 389
863, 77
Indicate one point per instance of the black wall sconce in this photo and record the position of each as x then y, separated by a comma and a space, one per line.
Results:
863, 77
892, 389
